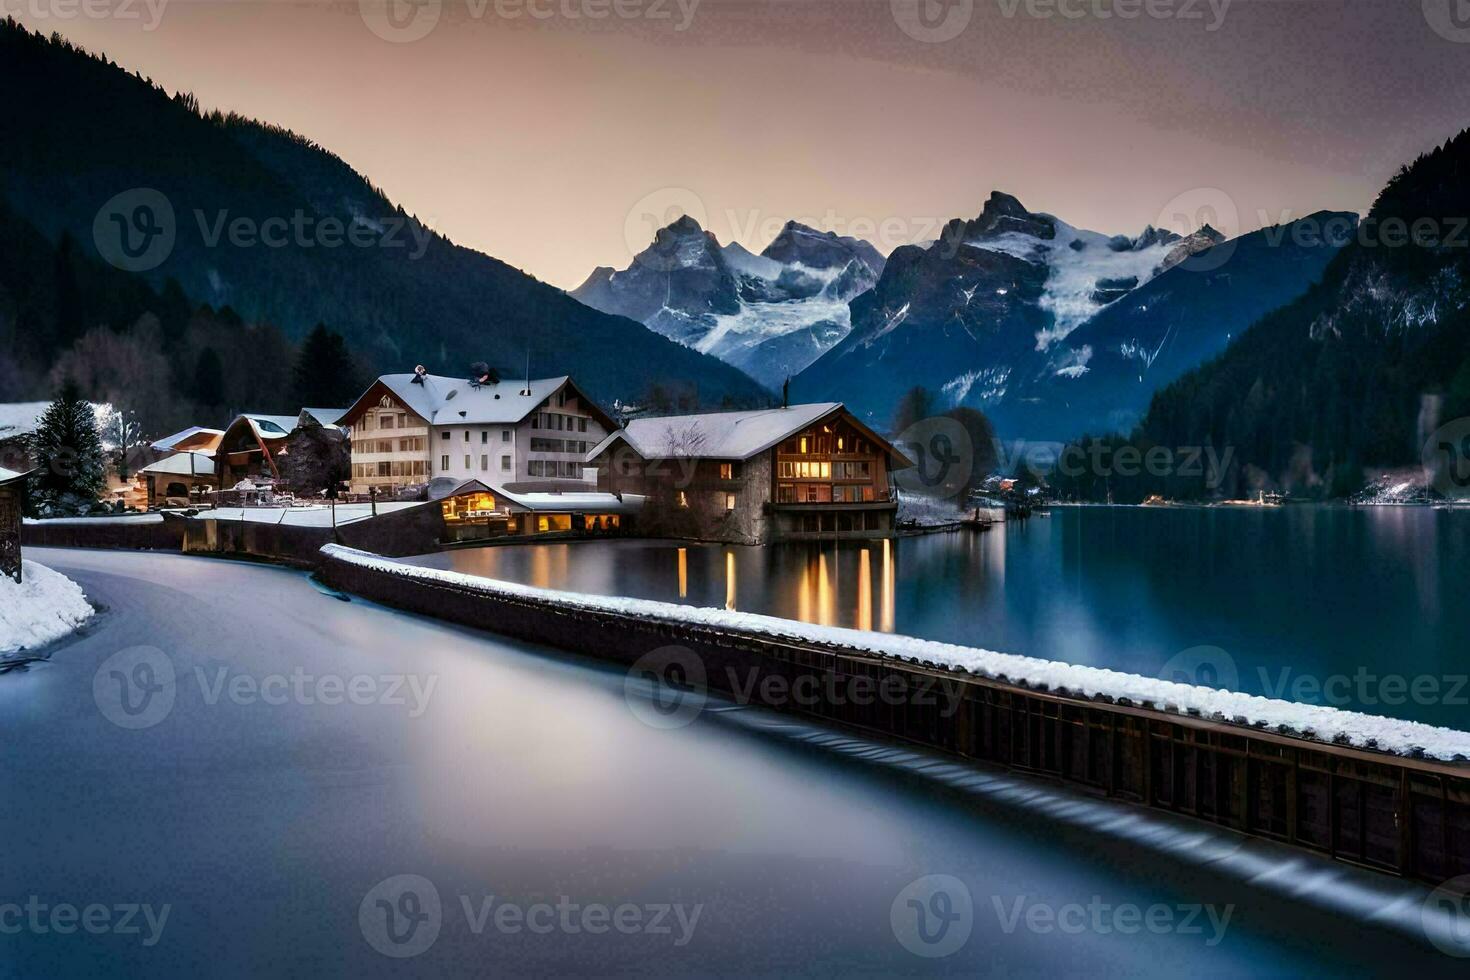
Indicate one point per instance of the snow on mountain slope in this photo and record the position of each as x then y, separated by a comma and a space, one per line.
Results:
770, 315
1088, 270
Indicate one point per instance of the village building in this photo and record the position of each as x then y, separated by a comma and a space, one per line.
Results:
411, 430
195, 439
175, 481
12, 505
296, 454
804, 471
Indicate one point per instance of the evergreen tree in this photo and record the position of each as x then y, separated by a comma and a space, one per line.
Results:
209, 378
325, 375
66, 449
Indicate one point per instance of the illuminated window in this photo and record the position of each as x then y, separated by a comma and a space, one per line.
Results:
727, 472
683, 500
803, 444
729, 502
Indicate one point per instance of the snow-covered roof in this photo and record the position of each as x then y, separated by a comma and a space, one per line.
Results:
717, 435
539, 501
589, 502
271, 426
456, 401
20, 418
179, 465
169, 442
326, 416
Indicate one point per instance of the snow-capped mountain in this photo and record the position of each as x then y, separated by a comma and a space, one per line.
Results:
771, 315
987, 307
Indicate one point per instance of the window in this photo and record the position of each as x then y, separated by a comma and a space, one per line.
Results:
505, 435
466, 462
683, 500
786, 494
505, 464
727, 471
729, 502
444, 435
484, 463
484, 436
581, 425
443, 464
466, 435
803, 450
385, 422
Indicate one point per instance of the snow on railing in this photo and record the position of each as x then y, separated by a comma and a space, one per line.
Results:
1317, 722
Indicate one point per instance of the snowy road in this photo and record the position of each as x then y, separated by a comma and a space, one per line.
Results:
244, 818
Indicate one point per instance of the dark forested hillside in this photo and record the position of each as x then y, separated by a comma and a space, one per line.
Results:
1354, 376
320, 243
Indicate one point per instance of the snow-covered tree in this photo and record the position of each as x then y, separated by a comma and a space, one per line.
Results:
70, 471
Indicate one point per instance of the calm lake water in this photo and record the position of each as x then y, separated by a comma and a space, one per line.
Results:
1362, 609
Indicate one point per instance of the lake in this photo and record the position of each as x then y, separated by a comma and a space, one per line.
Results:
1361, 609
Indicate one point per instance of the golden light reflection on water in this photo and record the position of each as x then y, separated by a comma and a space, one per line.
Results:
683, 573
865, 590
886, 625
729, 580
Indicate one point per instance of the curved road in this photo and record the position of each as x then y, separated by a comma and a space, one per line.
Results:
256, 814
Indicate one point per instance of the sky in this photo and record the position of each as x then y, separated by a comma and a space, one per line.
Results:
558, 134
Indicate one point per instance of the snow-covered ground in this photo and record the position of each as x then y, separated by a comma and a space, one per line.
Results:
929, 512
1317, 722
46, 606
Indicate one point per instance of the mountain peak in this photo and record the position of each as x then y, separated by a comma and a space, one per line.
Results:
682, 225
999, 203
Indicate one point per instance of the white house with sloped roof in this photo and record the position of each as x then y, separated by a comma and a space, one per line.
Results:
408, 430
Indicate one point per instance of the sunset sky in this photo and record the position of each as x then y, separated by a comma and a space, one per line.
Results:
557, 142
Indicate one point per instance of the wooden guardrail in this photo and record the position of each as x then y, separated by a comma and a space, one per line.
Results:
1405, 816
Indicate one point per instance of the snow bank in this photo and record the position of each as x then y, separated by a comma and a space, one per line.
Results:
46, 606
1317, 722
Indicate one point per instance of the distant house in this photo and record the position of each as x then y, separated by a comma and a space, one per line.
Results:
196, 438
412, 430
175, 481
298, 452
807, 471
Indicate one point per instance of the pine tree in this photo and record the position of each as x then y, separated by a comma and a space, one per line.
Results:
325, 375
69, 472
209, 378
